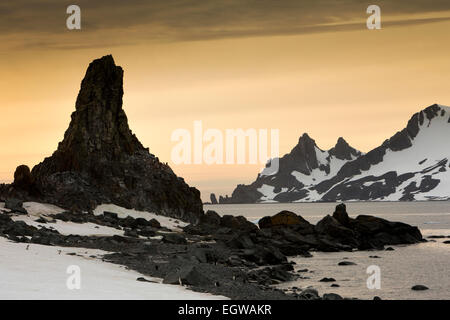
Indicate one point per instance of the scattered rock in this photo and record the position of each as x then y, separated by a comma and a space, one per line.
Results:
213, 198
340, 214
22, 178
188, 275
419, 287
332, 296
346, 263
327, 280
389, 249
175, 238
283, 218
309, 294
15, 205
142, 279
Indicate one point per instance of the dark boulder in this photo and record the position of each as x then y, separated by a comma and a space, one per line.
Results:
174, 238
241, 241
283, 218
22, 178
309, 294
419, 287
327, 280
332, 296
384, 232
263, 255
237, 223
340, 214
188, 275
210, 217
213, 198
15, 205
331, 227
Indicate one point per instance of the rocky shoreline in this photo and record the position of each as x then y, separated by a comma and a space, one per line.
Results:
226, 255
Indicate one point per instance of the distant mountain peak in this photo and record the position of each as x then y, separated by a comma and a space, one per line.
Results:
342, 150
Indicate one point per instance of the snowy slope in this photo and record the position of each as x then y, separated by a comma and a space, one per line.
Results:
429, 156
40, 273
170, 223
316, 175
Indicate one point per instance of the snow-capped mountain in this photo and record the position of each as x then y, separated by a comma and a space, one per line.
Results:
411, 165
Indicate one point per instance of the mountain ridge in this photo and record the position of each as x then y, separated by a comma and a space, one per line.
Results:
303, 178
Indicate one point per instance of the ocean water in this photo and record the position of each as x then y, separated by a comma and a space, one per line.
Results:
424, 263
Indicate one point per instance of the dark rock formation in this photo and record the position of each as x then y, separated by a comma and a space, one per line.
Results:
340, 214
419, 287
101, 161
213, 198
22, 178
346, 263
15, 205
283, 218
188, 275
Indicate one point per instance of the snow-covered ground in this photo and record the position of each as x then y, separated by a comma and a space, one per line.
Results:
68, 227
167, 222
36, 210
41, 273
43, 210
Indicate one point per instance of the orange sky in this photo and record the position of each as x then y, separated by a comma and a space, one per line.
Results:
360, 84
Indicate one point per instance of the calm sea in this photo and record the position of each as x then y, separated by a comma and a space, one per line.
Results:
425, 263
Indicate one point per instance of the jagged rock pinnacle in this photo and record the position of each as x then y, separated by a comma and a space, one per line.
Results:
342, 150
99, 126
101, 161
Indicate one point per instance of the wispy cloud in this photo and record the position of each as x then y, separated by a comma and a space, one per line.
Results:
42, 22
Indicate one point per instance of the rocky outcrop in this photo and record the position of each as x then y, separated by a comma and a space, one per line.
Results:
101, 161
292, 235
213, 199
22, 178
283, 218
365, 232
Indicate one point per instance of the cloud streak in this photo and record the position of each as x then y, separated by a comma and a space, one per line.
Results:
42, 23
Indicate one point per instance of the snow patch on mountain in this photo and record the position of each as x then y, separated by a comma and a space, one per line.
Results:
426, 157
269, 193
318, 175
